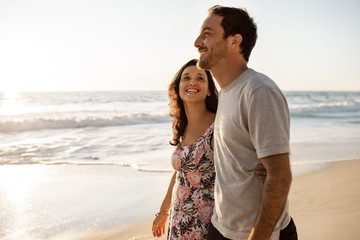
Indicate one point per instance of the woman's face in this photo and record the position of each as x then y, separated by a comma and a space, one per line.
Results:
194, 86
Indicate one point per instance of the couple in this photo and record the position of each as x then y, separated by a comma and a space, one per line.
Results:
251, 127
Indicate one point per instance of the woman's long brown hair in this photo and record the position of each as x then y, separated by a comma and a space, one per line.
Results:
177, 110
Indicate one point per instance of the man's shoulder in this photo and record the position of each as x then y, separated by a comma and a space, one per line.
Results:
250, 84
256, 80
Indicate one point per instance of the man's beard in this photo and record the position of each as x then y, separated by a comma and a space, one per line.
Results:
211, 60
203, 64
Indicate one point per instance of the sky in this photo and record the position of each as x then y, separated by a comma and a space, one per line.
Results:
105, 45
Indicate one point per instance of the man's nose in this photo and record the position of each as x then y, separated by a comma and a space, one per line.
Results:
198, 42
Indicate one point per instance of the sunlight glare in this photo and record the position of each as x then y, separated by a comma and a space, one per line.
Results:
18, 181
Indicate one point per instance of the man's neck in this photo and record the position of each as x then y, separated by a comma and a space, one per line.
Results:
227, 72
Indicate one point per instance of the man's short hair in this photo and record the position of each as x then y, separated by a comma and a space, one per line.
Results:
237, 21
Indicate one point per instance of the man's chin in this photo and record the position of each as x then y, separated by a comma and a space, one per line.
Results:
202, 64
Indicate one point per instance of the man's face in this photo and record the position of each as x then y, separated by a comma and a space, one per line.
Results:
210, 43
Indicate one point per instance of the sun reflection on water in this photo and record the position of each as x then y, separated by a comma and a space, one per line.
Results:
11, 103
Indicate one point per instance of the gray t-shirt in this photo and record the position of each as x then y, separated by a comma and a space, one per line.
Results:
252, 122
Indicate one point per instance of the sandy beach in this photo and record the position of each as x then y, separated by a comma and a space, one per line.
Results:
324, 205
95, 202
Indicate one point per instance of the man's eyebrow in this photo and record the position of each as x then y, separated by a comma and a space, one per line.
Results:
206, 29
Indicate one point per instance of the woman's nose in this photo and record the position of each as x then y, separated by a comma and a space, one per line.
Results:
192, 82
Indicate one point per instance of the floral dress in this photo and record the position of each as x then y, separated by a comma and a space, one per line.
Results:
193, 193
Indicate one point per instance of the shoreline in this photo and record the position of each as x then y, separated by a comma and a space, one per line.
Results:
323, 204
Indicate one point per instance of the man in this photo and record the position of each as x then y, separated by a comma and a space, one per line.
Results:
252, 125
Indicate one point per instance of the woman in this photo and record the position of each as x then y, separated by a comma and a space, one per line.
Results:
193, 104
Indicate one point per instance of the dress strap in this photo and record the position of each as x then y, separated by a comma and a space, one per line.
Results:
209, 134
209, 131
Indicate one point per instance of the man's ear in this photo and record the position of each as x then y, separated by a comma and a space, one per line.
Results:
236, 40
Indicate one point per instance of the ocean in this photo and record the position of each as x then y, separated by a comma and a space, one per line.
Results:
133, 129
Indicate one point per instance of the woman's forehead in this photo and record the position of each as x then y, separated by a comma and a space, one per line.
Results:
194, 70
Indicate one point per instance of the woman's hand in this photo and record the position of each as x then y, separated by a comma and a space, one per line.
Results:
159, 222
260, 172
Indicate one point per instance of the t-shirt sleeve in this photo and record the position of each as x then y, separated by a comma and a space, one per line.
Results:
269, 122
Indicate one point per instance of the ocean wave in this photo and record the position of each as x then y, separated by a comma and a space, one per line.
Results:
327, 109
35, 124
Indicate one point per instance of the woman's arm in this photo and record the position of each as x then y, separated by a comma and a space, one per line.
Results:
158, 228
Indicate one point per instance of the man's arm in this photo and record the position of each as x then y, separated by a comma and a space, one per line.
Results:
275, 193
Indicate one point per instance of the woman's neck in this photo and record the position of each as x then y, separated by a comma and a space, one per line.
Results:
199, 119
196, 113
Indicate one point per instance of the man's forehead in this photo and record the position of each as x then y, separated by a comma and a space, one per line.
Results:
211, 22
